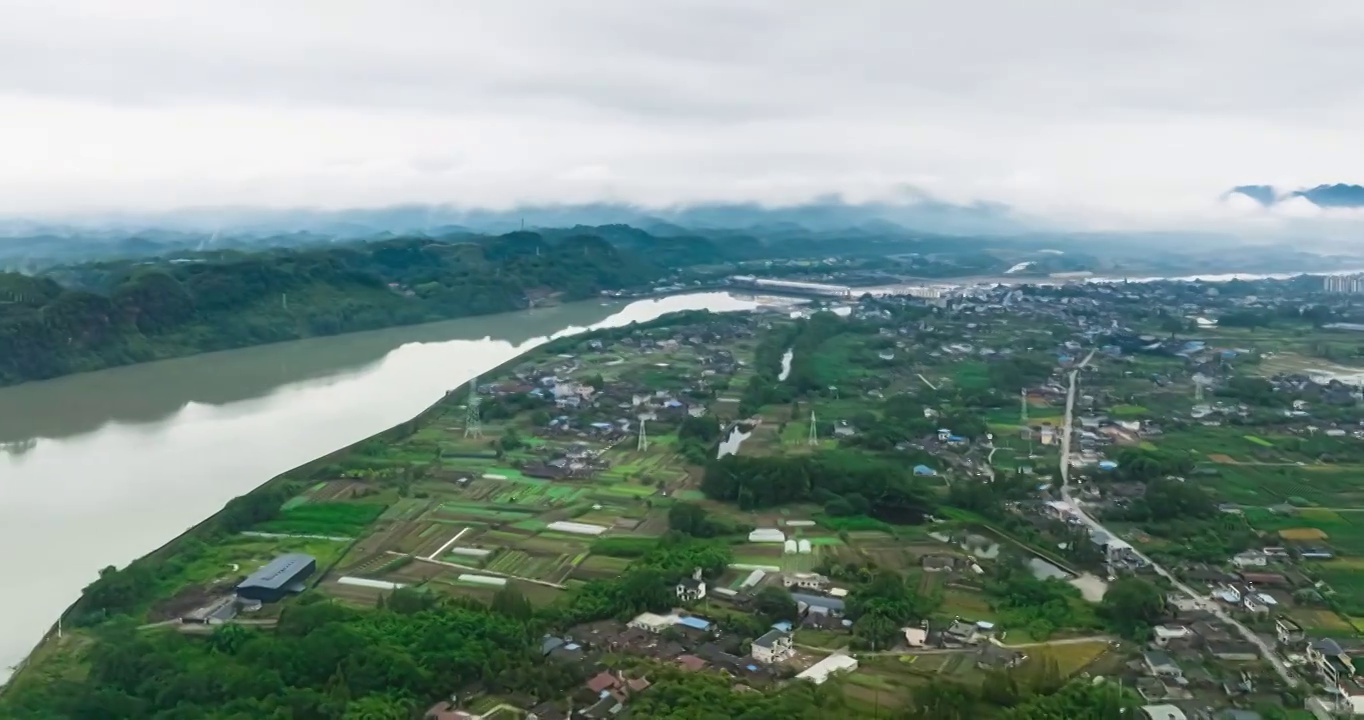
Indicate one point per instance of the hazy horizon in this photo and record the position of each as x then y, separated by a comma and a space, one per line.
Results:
1084, 116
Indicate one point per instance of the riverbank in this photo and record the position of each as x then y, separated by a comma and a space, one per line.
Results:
119, 486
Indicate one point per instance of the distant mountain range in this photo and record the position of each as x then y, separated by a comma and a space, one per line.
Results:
922, 213
1339, 195
91, 236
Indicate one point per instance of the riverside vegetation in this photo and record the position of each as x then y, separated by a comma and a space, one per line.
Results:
120, 312
87, 316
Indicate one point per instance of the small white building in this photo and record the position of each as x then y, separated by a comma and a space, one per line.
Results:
789, 547
1165, 633
1250, 558
808, 581
653, 622
804, 547
753, 579
826, 668
773, 647
693, 588
767, 535
1163, 712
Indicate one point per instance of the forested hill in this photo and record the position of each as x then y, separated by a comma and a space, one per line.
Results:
97, 315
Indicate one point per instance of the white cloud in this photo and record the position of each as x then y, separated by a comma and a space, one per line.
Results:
1095, 112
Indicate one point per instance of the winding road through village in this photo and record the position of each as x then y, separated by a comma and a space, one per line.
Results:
1203, 601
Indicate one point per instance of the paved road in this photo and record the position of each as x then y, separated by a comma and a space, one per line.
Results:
1203, 601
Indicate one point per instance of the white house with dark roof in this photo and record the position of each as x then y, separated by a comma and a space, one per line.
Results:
691, 589
773, 647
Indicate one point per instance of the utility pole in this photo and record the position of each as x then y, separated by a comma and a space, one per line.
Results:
473, 422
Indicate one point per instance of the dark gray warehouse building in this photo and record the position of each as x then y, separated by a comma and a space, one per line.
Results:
281, 576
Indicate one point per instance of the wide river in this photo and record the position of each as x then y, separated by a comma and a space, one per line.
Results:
100, 468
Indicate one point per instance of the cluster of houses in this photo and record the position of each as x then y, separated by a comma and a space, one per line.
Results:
686, 641
1179, 671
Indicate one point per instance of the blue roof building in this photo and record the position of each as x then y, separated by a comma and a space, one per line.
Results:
280, 577
694, 623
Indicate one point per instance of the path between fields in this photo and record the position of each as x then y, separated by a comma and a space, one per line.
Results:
204, 628
481, 571
1089, 639
1309, 507
334, 538
1204, 602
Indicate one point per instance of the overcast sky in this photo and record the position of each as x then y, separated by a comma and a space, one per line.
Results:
1113, 112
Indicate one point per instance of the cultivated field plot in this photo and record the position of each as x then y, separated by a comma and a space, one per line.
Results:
1319, 622
431, 541
961, 603
1346, 579
1070, 658
632, 472
1343, 531
1321, 485
330, 491
338, 519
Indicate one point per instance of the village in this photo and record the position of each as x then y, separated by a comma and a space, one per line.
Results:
1199, 451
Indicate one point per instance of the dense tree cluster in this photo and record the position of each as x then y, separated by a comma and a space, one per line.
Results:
1031, 692
692, 519
1132, 606
881, 607
1040, 606
323, 661
113, 313
680, 696
883, 489
647, 584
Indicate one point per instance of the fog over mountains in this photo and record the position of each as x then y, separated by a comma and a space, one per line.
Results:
1254, 214
925, 214
1339, 195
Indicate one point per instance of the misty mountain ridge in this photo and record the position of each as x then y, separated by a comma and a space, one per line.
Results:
923, 214
1339, 195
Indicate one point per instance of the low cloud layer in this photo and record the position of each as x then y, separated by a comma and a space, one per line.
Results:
1095, 113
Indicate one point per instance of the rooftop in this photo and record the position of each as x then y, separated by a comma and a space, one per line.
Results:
769, 638
1163, 712
279, 572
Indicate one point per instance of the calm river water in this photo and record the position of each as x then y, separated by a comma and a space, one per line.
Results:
100, 468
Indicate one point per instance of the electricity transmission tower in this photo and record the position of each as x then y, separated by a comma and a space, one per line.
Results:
1024, 406
473, 423
1198, 391
814, 437
643, 436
